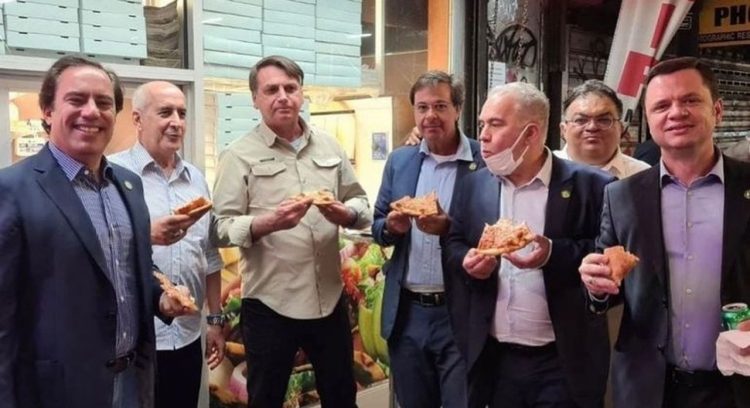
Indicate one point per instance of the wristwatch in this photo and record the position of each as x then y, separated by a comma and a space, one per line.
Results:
215, 320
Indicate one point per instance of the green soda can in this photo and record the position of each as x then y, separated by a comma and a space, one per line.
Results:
733, 314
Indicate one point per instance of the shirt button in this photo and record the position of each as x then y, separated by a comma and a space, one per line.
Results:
690, 225
690, 257
689, 291
687, 325
122, 299
124, 335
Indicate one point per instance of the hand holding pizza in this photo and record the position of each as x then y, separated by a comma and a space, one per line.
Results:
535, 259
478, 265
176, 299
435, 224
602, 274
171, 228
338, 213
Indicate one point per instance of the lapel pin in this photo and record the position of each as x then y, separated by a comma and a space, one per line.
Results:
128, 185
747, 194
565, 194
473, 166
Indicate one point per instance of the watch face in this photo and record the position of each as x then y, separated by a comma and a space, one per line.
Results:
215, 320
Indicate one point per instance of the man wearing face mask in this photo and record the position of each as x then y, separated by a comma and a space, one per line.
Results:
529, 339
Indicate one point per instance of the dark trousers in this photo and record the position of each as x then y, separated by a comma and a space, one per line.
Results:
271, 342
427, 368
515, 376
178, 379
704, 389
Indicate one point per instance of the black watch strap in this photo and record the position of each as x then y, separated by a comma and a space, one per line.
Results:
215, 320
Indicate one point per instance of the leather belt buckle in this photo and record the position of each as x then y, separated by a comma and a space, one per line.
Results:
119, 364
426, 299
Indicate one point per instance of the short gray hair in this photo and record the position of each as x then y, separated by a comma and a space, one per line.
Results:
530, 101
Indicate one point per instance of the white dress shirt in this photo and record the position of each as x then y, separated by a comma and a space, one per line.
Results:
521, 311
620, 166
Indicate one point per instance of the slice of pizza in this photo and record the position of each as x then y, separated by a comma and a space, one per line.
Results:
504, 237
417, 206
620, 262
195, 207
171, 290
320, 197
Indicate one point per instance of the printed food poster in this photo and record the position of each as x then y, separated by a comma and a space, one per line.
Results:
363, 280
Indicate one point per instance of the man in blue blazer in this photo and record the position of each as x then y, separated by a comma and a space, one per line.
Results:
427, 368
687, 219
526, 335
77, 294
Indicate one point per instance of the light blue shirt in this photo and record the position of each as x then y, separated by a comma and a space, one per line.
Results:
438, 174
693, 227
192, 258
108, 214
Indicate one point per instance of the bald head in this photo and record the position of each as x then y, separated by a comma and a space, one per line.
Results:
159, 117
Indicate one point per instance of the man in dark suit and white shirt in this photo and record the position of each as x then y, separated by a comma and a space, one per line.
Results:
687, 220
77, 294
528, 339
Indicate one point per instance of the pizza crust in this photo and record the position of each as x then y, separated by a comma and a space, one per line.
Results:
621, 262
198, 206
171, 290
504, 237
417, 206
320, 197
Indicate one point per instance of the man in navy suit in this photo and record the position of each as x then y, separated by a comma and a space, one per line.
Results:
687, 219
427, 368
77, 294
526, 335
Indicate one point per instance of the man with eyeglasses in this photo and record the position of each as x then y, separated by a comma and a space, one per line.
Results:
592, 130
426, 365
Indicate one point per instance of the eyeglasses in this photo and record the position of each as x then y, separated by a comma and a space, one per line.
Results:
437, 107
602, 122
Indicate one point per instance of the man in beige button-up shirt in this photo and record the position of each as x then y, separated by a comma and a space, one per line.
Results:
291, 284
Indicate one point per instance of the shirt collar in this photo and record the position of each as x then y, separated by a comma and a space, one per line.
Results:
463, 153
142, 159
72, 167
717, 171
615, 167
270, 137
544, 175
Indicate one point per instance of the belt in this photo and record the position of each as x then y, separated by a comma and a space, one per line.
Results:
119, 364
523, 349
697, 378
425, 299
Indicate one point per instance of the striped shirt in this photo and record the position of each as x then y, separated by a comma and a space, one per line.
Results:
110, 218
188, 261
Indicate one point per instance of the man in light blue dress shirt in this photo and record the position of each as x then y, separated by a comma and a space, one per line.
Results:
427, 368
181, 248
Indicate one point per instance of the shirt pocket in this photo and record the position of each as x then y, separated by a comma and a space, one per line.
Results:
268, 186
326, 174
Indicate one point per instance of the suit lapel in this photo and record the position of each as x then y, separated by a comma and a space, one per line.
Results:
53, 182
736, 213
648, 207
410, 174
558, 199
